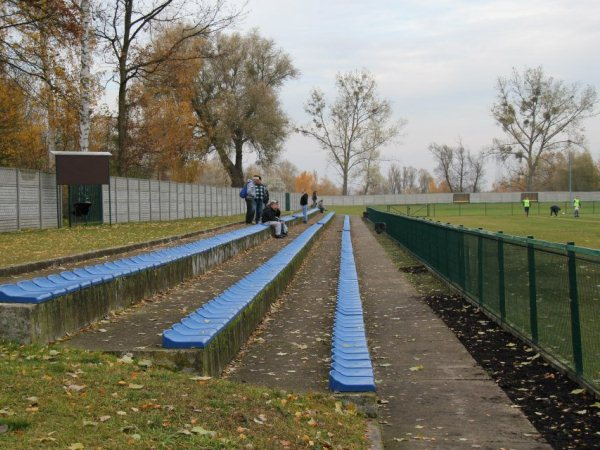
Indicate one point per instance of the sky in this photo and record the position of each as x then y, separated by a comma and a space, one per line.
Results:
436, 61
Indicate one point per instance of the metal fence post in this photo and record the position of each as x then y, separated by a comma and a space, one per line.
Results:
480, 268
139, 200
533, 316
18, 199
501, 293
128, 201
39, 174
574, 304
461, 257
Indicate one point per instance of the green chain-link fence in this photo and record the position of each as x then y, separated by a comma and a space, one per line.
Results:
547, 293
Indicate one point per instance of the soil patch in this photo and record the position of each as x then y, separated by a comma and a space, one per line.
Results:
564, 414
413, 269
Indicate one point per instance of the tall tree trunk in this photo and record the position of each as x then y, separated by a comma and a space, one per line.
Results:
122, 131
85, 78
235, 173
50, 132
345, 183
123, 110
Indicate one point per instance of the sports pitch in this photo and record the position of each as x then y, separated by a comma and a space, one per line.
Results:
511, 219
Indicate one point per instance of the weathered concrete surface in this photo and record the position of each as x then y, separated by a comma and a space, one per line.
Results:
292, 349
433, 394
153, 316
53, 319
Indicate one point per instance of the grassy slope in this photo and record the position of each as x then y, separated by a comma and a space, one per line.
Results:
63, 398
37, 245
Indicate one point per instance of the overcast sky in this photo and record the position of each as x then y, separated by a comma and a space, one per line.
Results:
436, 61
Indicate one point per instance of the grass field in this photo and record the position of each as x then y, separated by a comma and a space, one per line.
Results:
510, 219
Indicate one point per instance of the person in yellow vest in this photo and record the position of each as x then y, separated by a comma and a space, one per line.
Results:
576, 206
526, 205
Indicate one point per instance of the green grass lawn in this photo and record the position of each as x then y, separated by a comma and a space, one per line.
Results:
510, 219
37, 245
584, 231
53, 397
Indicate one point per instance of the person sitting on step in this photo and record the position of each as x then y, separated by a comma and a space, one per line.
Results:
270, 216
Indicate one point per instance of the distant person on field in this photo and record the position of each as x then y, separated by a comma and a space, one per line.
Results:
554, 209
314, 199
576, 206
321, 206
526, 205
304, 206
270, 216
260, 196
250, 203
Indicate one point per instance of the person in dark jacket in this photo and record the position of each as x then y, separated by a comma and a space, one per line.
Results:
314, 199
260, 194
304, 206
554, 209
270, 216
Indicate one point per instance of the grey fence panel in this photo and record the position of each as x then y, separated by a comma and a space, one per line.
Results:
48, 201
213, 201
133, 200
29, 199
122, 211
9, 220
145, 203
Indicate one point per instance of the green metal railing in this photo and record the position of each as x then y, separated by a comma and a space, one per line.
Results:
547, 293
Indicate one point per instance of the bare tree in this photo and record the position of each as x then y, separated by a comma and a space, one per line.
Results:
444, 156
126, 27
457, 167
370, 171
354, 126
539, 114
237, 102
394, 179
476, 170
425, 180
409, 177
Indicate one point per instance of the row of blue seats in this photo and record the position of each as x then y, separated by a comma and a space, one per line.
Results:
197, 329
41, 289
351, 369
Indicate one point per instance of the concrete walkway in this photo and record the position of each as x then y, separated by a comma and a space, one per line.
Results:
433, 394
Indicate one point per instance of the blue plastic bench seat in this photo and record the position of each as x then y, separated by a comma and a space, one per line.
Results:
14, 294
351, 368
30, 286
48, 284
198, 331
344, 383
173, 339
353, 363
58, 279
